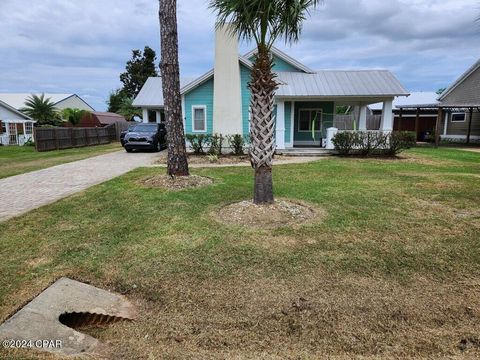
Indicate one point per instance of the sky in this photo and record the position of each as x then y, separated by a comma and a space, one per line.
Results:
81, 46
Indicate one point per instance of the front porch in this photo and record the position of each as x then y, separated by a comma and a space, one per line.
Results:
16, 132
302, 124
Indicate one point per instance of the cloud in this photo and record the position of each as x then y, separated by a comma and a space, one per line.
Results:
81, 46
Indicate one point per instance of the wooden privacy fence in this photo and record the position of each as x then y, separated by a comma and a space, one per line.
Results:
57, 138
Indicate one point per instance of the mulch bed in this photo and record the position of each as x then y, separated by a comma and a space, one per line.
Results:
176, 183
282, 213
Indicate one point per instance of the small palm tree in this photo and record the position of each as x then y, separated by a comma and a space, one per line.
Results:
264, 21
42, 110
127, 110
73, 116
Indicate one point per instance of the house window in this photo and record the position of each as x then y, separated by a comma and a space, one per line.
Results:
309, 118
199, 118
458, 117
28, 128
3, 129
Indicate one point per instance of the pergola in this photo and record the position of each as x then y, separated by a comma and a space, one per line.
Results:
441, 108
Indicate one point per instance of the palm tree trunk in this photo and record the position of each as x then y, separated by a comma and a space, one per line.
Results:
262, 126
177, 164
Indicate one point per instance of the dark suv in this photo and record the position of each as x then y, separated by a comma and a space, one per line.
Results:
146, 137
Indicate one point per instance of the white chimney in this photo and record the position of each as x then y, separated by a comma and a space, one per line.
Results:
227, 97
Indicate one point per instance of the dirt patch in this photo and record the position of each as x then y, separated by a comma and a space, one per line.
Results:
280, 214
176, 183
312, 316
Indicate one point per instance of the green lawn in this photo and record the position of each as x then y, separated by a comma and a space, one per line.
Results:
16, 160
391, 271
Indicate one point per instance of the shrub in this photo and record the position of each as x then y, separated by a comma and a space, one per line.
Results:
29, 142
216, 144
236, 143
198, 141
345, 141
369, 142
399, 141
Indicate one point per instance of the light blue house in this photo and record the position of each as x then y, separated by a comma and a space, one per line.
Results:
305, 102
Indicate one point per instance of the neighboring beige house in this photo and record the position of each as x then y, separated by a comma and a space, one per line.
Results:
61, 101
464, 96
458, 108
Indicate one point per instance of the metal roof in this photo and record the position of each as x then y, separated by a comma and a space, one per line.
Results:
15, 111
151, 94
17, 100
415, 98
340, 83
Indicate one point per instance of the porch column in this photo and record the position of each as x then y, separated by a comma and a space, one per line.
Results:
445, 123
158, 117
145, 115
362, 123
469, 131
386, 124
280, 126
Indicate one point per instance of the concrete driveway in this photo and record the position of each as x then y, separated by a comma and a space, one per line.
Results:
22, 193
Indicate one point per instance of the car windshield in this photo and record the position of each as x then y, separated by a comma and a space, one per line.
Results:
145, 128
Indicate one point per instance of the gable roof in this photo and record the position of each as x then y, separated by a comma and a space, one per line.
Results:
330, 83
17, 100
151, 93
284, 57
415, 98
15, 111
107, 118
460, 80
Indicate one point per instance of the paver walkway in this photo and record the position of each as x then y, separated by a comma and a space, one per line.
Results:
22, 193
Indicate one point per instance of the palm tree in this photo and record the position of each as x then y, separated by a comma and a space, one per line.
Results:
264, 21
42, 110
73, 116
177, 164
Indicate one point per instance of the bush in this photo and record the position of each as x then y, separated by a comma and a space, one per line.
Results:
345, 141
216, 144
236, 143
29, 142
198, 141
399, 141
369, 142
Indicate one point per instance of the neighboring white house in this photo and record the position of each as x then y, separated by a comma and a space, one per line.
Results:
15, 127
305, 102
61, 101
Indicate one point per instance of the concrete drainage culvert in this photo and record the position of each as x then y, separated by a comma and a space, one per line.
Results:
59, 311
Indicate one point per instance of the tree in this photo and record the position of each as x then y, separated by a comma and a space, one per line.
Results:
127, 110
42, 110
138, 70
115, 100
73, 116
177, 164
264, 21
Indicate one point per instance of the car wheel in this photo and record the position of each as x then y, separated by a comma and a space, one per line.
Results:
158, 147
128, 150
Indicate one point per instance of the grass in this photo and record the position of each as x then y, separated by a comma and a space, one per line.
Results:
16, 160
391, 271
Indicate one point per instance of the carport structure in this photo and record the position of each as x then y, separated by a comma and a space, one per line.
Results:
444, 112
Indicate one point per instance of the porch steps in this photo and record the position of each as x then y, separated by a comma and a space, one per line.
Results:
305, 152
